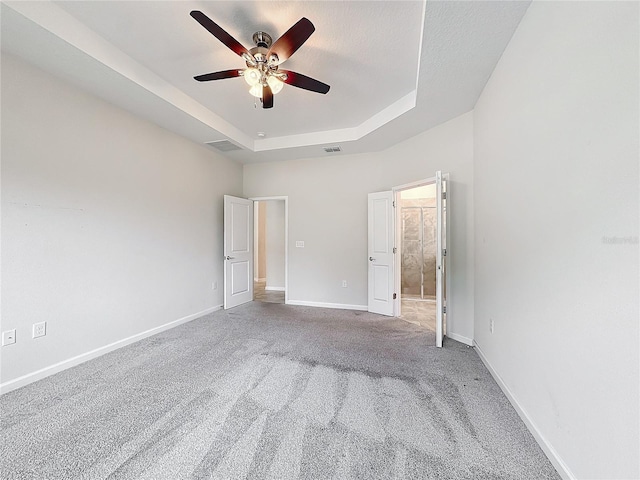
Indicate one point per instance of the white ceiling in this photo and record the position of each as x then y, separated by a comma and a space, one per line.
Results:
396, 68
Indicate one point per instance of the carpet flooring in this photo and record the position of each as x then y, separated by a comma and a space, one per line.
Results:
269, 391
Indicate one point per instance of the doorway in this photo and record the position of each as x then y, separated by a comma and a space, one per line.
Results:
269, 282
421, 262
417, 247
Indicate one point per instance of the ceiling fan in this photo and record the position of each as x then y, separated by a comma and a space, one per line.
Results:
263, 73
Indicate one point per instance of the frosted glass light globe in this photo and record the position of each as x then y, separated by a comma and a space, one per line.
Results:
256, 90
252, 76
275, 83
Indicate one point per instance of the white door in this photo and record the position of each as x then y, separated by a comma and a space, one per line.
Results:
441, 251
238, 251
380, 252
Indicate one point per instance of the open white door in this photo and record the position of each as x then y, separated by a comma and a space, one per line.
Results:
238, 251
441, 249
380, 251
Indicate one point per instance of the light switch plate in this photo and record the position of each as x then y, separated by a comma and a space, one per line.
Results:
300, 243
9, 337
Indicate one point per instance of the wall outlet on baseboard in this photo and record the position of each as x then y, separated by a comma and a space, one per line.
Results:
491, 325
344, 284
9, 337
39, 329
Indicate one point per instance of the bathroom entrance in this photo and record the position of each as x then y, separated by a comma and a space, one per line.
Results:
420, 211
417, 210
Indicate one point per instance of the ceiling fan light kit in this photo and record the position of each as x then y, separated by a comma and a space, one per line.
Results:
263, 74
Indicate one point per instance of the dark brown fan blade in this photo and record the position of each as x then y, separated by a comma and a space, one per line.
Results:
218, 32
292, 40
267, 97
302, 81
218, 75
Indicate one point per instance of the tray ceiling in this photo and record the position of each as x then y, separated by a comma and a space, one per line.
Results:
395, 67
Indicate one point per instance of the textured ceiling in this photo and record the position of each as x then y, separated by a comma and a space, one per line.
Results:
395, 68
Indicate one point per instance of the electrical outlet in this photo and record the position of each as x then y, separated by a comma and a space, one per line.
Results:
299, 243
214, 286
39, 329
9, 337
491, 325
344, 283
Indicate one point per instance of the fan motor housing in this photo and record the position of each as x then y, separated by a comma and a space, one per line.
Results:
263, 43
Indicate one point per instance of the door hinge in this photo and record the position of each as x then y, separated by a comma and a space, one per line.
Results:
395, 296
393, 204
395, 249
444, 252
444, 195
444, 309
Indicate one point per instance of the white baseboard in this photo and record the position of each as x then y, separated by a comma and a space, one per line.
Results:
274, 289
77, 360
547, 448
460, 338
342, 306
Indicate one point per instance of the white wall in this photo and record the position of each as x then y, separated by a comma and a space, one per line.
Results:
111, 226
556, 171
328, 211
275, 244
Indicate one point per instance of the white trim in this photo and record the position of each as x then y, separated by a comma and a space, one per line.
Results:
547, 448
460, 338
447, 259
417, 183
274, 289
275, 197
83, 357
341, 135
342, 306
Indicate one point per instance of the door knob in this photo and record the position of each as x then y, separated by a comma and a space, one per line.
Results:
371, 259
229, 258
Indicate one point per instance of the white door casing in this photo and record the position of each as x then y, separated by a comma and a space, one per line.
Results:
440, 258
380, 253
238, 251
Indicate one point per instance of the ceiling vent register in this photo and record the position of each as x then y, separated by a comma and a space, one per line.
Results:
223, 145
332, 149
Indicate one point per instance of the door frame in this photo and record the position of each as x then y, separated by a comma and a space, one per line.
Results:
397, 306
286, 239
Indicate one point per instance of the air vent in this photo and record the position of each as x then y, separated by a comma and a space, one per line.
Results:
223, 145
332, 149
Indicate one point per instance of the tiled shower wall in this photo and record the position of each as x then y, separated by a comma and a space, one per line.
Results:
412, 249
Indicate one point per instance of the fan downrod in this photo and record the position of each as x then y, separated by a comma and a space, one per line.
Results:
262, 39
